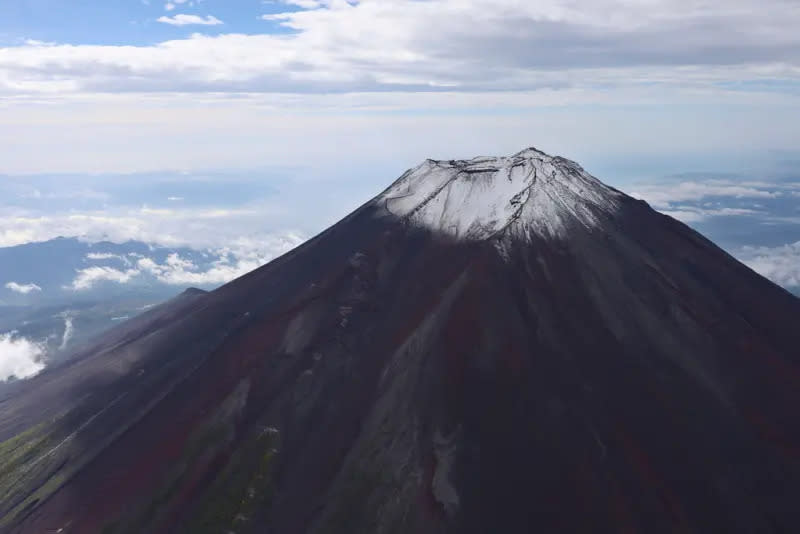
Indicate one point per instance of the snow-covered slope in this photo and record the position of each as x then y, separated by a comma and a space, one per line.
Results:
479, 198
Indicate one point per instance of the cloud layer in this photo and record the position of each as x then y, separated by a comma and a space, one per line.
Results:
779, 264
219, 266
756, 219
703, 198
369, 45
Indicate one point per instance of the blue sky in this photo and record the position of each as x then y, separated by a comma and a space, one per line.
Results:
263, 118
127, 22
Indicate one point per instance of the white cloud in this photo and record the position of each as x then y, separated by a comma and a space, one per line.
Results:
169, 6
104, 256
19, 357
198, 228
665, 194
692, 214
779, 264
238, 258
698, 200
23, 289
304, 4
87, 278
189, 20
69, 330
464, 44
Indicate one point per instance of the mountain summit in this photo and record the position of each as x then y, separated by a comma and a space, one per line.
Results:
491, 345
529, 192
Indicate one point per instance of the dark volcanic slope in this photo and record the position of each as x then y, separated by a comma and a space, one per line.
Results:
498, 345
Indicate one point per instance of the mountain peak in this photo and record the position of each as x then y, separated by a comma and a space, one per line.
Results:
527, 193
531, 152
378, 379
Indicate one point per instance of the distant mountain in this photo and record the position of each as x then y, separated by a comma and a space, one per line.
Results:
57, 295
493, 345
59, 329
70, 270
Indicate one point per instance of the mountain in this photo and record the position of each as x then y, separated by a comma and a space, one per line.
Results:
53, 332
493, 345
69, 270
57, 295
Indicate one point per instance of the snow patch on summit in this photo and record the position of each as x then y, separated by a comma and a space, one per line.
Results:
483, 197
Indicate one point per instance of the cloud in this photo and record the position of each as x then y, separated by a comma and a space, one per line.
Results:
189, 20
691, 214
701, 199
466, 45
169, 6
779, 264
23, 289
100, 256
19, 357
198, 227
87, 278
241, 256
126, 260
69, 331
304, 4
667, 193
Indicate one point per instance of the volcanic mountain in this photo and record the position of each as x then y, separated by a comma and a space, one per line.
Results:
494, 345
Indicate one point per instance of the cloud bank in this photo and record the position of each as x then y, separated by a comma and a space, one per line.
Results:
223, 264
19, 357
779, 264
368, 45
698, 200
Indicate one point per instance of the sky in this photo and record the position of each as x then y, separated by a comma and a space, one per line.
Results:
207, 122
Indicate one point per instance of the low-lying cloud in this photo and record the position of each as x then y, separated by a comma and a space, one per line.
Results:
221, 266
779, 264
19, 357
107, 256
90, 276
69, 331
693, 201
667, 194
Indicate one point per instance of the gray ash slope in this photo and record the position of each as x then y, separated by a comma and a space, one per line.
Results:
493, 345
